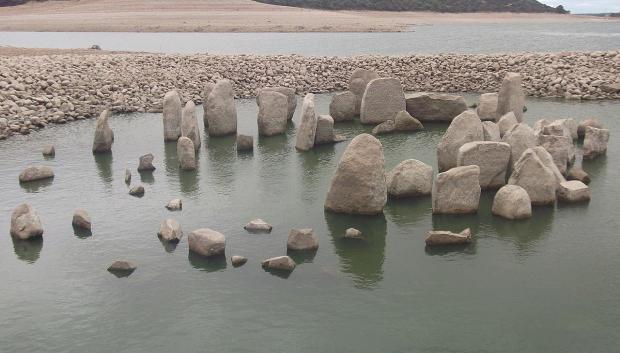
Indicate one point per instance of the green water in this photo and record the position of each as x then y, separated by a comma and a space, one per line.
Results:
548, 284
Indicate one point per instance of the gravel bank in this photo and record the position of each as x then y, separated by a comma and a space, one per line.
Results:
39, 90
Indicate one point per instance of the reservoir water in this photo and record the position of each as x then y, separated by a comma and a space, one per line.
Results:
547, 284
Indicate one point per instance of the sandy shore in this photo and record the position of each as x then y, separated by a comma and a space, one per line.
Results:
230, 16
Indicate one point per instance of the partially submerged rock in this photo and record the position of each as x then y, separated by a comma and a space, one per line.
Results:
512, 202
175, 205
325, 131
145, 163
307, 128
491, 157
511, 97
137, 190
358, 83
189, 125
535, 177
520, 138
104, 136
291, 98
282, 263
122, 268
402, 122
465, 128
442, 238
573, 191
186, 154
576, 173
220, 110
170, 231
172, 116
435, 107
49, 151
560, 149
258, 226
302, 239
25, 223
127, 176
81, 219
207, 242
591, 122
595, 142
343, 106
272, 113
487, 106
352, 233
410, 178
237, 260
457, 191
382, 100
36, 172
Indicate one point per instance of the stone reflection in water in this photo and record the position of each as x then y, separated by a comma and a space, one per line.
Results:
37, 185
362, 258
526, 233
408, 211
221, 155
28, 250
147, 177
81, 233
104, 167
596, 168
171, 162
208, 264
188, 180
313, 165
170, 247
301, 257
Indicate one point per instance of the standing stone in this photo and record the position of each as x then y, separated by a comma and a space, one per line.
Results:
36, 172
507, 122
281, 263
272, 113
382, 100
511, 97
520, 138
170, 231
358, 185
25, 223
490, 130
291, 98
343, 106
205, 96
457, 191
357, 85
512, 202
435, 107
189, 124
324, 130
146, 163
104, 136
172, 116
307, 128
207, 242
302, 239
49, 151
466, 127
538, 180
186, 154
127, 176
81, 219
410, 178
595, 142
245, 142
573, 191
559, 147
487, 106
445, 238
491, 157
221, 113
591, 122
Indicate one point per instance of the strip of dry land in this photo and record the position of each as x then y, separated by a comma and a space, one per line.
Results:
231, 16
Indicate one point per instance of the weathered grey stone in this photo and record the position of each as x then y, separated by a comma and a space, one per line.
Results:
137, 190
324, 130
127, 176
81, 219
237, 260
511, 97
520, 138
146, 163
189, 124
122, 268
352, 233
343, 106
512, 202
358, 185
547, 161
490, 130
207, 242
281, 263
172, 116
507, 122
491, 157
36, 172
245, 142
402, 122
302, 239
443, 238
465, 128
170, 231
175, 205
595, 142
208, 88
358, 83
435, 107
104, 136
410, 178
307, 128
592, 122
186, 154
572, 126
291, 98
25, 223
573, 191
539, 126
576, 173
487, 106
272, 113
382, 100
457, 191
258, 226
49, 151
221, 113
538, 180
559, 147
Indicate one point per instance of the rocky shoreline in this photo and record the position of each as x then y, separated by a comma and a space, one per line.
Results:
54, 89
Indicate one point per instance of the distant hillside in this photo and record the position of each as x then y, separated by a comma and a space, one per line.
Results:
423, 5
14, 2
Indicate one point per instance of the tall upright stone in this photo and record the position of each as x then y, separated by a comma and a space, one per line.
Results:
595, 142
307, 128
291, 98
206, 91
104, 136
172, 116
272, 113
358, 185
511, 97
221, 113
457, 191
382, 100
189, 124
487, 106
357, 85
465, 128
538, 180
343, 106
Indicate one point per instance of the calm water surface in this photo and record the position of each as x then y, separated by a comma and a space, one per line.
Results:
441, 38
548, 284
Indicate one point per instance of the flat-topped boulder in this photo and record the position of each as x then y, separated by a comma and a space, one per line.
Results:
170, 231
591, 122
512, 202
465, 128
490, 130
506, 122
573, 191
435, 107
325, 131
258, 226
306, 132
25, 223
36, 172
457, 191
302, 239
410, 178
207, 242
402, 122
343, 106
358, 185
491, 157
272, 113
104, 136
520, 138
382, 100
535, 177
145, 163
291, 98
511, 97
172, 115
487, 106
280, 263
444, 238
595, 142
189, 124
220, 110
186, 154
81, 219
